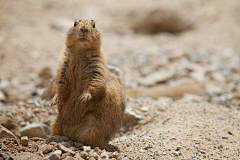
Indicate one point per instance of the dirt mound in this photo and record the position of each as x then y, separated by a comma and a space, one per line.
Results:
160, 20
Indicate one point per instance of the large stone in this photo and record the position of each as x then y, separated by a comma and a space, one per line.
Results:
35, 130
27, 156
154, 78
118, 73
131, 117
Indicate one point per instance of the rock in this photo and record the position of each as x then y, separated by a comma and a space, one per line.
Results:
65, 149
131, 117
24, 140
58, 152
202, 151
46, 148
154, 78
3, 97
54, 157
47, 92
104, 155
93, 154
146, 147
218, 76
84, 154
142, 150
78, 156
176, 53
96, 149
114, 155
87, 148
224, 137
178, 148
69, 158
176, 153
193, 155
91, 158
65, 155
117, 72
220, 146
5, 133
145, 108
27, 156
3, 147
9, 158
35, 130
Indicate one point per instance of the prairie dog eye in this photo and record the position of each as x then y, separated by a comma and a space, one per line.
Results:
93, 25
75, 24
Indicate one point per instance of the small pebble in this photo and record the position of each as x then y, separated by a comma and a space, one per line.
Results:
84, 154
178, 148
193, 155
58, 152
114, 155
202, 151
147, 146
3, 147
46, 148
176, 153
229, 132
87, 148
96, 149
196, 146
173, 138
54, 157
220, 146
24, 140
65, 149
141, 150
93, 154
224, 137
9, 158
91, 158
104, 155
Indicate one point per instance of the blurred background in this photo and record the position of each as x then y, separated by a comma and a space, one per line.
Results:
171, 43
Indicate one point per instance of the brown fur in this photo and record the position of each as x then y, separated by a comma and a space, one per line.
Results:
90, 100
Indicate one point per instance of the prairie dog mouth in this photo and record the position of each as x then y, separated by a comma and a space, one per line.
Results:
83, 39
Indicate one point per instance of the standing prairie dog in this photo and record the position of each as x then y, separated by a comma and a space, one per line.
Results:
90, 100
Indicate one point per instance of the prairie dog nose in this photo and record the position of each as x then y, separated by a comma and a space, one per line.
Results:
83, 29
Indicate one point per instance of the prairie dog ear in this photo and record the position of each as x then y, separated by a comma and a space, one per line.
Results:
93, 23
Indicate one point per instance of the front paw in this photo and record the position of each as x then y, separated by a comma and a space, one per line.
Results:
56, 99
85, 97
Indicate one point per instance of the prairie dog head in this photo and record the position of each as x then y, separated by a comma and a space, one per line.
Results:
83, 35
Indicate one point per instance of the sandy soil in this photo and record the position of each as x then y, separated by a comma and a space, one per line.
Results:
197, 41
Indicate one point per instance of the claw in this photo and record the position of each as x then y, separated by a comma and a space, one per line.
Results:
85, 97
55, 100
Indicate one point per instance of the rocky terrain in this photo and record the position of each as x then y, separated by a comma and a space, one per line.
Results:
179, 62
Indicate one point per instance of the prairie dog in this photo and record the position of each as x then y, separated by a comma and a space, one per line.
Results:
90, 100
